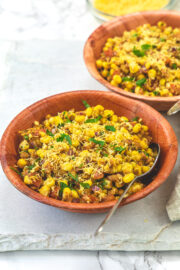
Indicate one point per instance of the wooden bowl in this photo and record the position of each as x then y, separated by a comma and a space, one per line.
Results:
160, 129
116, 27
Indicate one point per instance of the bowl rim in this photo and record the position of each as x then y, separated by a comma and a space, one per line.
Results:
17, 182
88, 49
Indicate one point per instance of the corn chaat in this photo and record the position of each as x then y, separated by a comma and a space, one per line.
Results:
86, 156
144, 61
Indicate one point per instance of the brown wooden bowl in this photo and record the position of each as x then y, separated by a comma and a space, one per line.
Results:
116, 27
160, 129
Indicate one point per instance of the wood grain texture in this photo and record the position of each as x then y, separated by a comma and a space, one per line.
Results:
160, 130
116, 27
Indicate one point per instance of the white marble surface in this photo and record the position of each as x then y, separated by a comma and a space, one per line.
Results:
54, 20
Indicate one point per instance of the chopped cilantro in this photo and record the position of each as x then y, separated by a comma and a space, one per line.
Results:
138, 52
135, 35
85, 185
110, 128
49, 133
86, 104
81, 165
15, 170
156, 93
127, 79
105, 154
67, 120
145, 47
146, 153
141, 82
93, 120
60, 125
26, 137
64, 136
174, 66
97, 142
135, 118
31, 167
119, 149
74, 177
162, 39
62, 186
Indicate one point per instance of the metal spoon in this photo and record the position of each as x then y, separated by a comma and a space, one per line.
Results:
174, 109
140, 177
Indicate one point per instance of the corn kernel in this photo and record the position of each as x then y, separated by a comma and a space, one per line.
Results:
162, 82
108, 113
50, 182
113, 83
79, 118
66, 193
89, 111
45, 139
104, 73
24, 145
44, 190
27, 180
127, 168
128, 177
74, 194
117, 79
67, 166
152, 74
75, 143
137, 128
99, 63
21, 163
134, 67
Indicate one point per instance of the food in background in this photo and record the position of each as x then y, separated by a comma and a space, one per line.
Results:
144, 61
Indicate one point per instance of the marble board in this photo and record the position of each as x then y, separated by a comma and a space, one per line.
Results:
31, 70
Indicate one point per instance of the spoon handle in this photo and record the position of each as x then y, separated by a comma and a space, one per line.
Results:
111, 212
174, 109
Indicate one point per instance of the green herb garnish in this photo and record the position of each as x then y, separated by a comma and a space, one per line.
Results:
174, 66
135, 35
85, 185
30, 167
15, 170
67, 120
141, 82
138, 52
119, 149
62, 186
105, 154
86, 104
60, 125
97, 142
127, 79
146, 154
162, 39
93, 120
145, 47
74, 177
135, 119
49, 133
64, 136
156, 93
26, 137
110, 128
